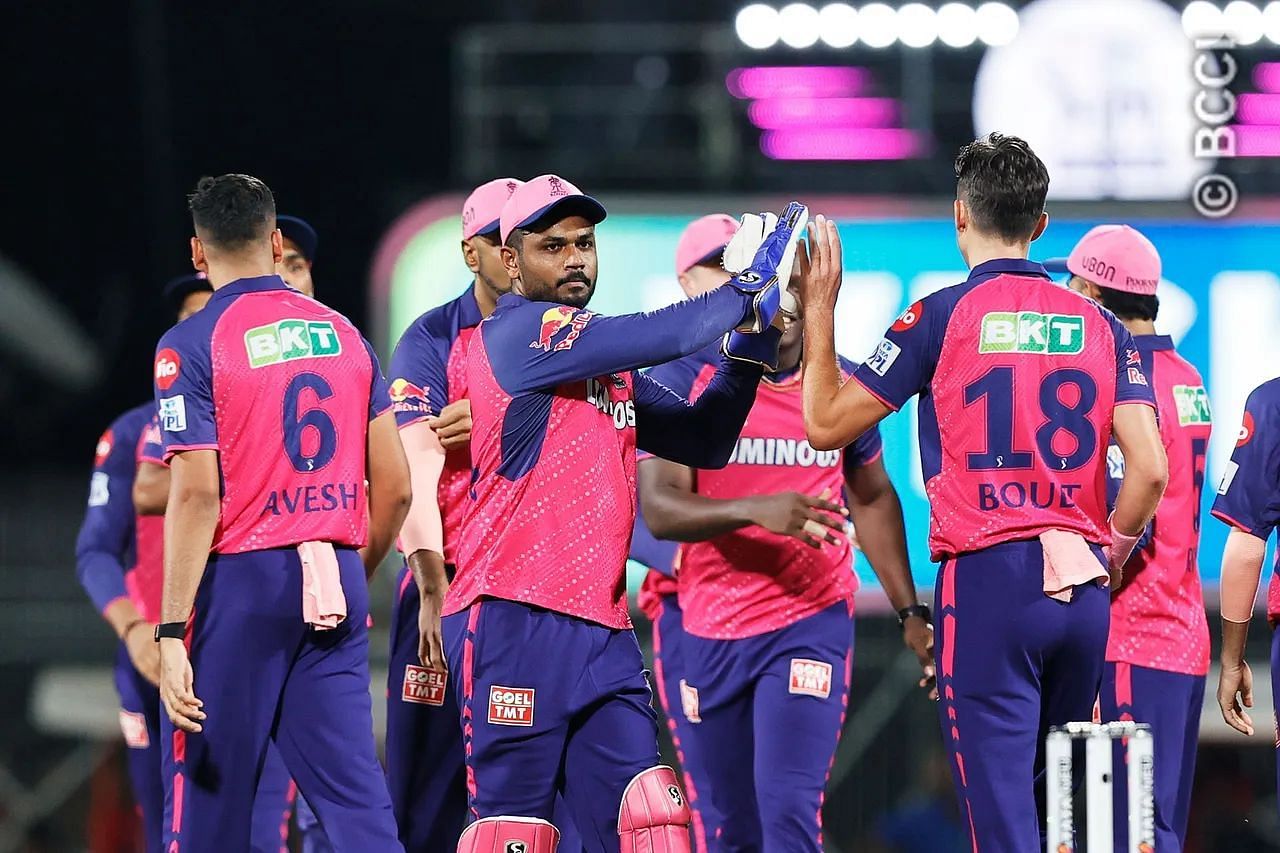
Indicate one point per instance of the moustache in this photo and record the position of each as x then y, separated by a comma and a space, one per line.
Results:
574, 276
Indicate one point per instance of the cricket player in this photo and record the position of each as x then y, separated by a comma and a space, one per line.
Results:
699, 269
114, 536
425, 767
1022, 385
766, 589
274, 415
1158, 648
300, 242
537, 631
1249, 501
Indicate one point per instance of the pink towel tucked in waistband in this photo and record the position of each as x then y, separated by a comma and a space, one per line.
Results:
1068, 562
324, 604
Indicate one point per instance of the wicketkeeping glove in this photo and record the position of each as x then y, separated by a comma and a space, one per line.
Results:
761, 255
761, 349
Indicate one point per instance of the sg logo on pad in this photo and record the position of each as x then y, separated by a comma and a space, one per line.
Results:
511, 706
810, 678
423, 686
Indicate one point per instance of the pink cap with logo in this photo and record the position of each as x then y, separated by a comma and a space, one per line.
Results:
482, 210
703, 240
538, 196
1118, 257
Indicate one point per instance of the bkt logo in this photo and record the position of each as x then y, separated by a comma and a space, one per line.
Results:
1032, 332
287, 340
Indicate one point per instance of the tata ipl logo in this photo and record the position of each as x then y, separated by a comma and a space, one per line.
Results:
1031, 332
287, 340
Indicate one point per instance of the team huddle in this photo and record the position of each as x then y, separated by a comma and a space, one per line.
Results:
525, 447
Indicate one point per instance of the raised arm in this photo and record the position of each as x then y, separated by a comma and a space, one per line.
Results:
834, 414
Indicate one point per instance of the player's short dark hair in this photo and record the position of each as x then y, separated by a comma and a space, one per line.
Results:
1129, 306
232, 211
515, 240
1004, 184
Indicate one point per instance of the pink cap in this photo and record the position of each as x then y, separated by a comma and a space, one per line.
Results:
483, 208
537, 197
1118, 257
704, 239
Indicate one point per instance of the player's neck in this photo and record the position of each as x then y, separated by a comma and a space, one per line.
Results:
982, 250
1140, 327
228, 270
486, 298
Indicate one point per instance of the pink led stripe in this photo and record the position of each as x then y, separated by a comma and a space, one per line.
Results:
1266, 76
783, 113
1256, 140
1258, 109
800, 81
850, 143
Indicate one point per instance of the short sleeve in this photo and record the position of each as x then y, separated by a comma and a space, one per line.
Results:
1132, 382
1249, 494
379, 393
151, 447
183, 382
419, 386
901, 365
867, 448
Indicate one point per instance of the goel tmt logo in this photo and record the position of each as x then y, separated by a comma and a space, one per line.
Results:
1032, 332
287, 340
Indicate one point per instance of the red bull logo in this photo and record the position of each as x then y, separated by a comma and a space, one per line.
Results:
408, 397
555, 319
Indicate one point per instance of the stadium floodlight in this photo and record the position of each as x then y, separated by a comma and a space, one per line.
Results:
997, 24
917, 25
1243, 22
757, 26
798, 25
1271, 22
1202, 20
879, 25
957, 25
838, 25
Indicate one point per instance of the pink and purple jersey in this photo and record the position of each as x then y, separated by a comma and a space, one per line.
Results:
1249, 494
116, 553
284, 389
752, 581
558, 409
1157, 618
428, 371
1017, 378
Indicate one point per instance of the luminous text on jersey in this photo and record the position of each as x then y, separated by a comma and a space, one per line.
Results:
1031, 332
782, 451
287, 340
623, 412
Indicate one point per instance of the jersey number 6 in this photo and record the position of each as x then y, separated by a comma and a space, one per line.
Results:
295, 424
996, 385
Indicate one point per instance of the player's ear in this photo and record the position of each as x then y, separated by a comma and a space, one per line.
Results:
511, 262
1040, 226
470, 256
277, 246
961, 214
198, 259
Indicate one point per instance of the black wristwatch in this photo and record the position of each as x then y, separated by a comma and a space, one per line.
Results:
921, 610
171, 631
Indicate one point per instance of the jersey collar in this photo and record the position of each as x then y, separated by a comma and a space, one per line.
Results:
469, 308
1007, 266
257, 284
1153, 343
